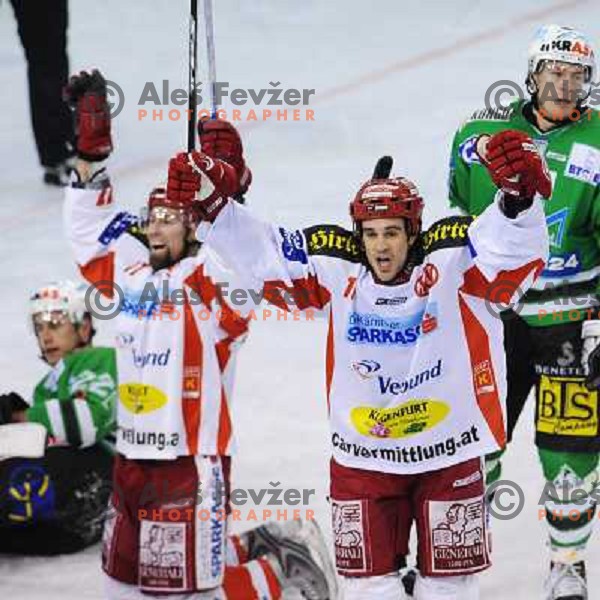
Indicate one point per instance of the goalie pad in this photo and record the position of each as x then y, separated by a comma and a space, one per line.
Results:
23, 440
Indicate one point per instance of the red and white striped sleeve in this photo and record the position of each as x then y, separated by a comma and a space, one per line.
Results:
508, 254
272, 258
96, 229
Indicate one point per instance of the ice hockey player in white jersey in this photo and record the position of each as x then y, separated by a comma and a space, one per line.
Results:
414, 360
176, 341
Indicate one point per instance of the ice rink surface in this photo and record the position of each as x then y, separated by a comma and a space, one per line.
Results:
390, 77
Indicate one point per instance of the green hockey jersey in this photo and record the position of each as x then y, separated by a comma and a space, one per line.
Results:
567, 289
76, 400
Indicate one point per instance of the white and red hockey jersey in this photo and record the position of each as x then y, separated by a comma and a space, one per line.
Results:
175, 335
415, 373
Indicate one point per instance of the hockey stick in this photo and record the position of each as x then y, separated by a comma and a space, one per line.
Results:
383, 168
209, 34
193, 52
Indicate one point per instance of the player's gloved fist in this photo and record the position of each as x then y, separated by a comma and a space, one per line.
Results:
515, 164
9, 404
590, 353
204, 183
86, 95
220, 139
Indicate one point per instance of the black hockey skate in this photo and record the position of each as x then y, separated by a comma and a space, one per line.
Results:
408, 578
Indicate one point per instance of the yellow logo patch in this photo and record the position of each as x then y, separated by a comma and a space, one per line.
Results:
408, 418
566, 407
141, 399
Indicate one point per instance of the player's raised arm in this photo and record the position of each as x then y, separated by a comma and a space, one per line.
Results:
509, 241
264, 254
93, 224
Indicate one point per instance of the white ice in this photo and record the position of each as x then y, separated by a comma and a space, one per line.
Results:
390, 77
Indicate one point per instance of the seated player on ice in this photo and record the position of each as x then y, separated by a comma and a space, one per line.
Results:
56, 504
175, 374
414, 360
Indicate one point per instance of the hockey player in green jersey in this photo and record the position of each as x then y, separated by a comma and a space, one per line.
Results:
543, 334
55, 504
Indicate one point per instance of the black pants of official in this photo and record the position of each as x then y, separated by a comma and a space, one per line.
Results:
56, 504
42, 28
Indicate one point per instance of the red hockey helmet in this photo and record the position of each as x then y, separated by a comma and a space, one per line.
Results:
388, 199
158, 198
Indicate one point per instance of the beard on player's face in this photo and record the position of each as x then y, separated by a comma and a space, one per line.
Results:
161, 259
165, 255
167, 239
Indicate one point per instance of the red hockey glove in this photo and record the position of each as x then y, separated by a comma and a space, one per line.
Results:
196, 179
515, 164
220, 139
86, 95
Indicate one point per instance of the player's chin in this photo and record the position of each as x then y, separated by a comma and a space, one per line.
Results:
386, 274
160, 259
559, 110
52, 357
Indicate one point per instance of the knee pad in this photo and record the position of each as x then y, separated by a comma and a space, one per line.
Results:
458, 587
382, 587
567, 471
570, 519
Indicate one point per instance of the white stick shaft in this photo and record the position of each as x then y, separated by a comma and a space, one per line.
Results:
193, 45
209, 34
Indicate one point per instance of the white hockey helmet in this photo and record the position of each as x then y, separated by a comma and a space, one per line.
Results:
563, 44
64, 296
